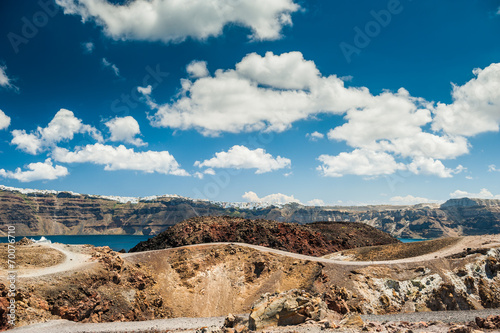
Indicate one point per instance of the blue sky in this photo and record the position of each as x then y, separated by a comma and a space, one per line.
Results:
321, 102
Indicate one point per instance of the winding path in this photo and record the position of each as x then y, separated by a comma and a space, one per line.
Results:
465, 242
72, 261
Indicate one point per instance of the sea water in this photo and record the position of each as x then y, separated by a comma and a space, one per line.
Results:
411, 240
115, 242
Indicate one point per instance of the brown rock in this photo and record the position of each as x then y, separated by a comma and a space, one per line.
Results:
492, 266
240, 328
288, 308
336, 300
24, 241
229, 321
460, 329
4, 303
352, 320
490, 322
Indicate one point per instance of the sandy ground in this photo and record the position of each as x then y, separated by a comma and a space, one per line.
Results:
74, 260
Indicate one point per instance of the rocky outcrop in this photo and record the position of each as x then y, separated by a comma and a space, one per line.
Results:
24, 241
64, 213
292, 307
315, 239
466, 283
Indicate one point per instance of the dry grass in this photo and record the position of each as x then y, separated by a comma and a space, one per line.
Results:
399, 251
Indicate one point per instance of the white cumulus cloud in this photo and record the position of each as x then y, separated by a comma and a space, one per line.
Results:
476, 105
4, 120
483, 194
197, 69
316, 202
125, 130
62, 127
174, 21
315, 136
121, 158
241, 157
387, 116
271, 92
410, 200
276, 198
36, 171
429, 166
262, 93
360, 162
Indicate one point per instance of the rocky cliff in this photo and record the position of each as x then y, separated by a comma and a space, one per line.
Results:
64, 213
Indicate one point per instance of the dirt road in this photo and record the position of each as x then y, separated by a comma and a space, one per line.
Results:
73, 261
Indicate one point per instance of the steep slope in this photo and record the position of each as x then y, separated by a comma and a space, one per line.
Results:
64, 213
314, 239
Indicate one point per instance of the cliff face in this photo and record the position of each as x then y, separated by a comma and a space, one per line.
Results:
68, 214
65, 213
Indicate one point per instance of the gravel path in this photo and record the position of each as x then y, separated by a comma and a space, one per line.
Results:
444, 316
191, 324
72, 261
65, 326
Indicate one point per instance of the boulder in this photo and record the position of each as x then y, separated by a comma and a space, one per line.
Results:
336, 300
489, 323
353, 320
460, 329
292, 307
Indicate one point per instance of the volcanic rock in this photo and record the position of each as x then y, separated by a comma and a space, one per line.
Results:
292, 307
489, 323
314, 239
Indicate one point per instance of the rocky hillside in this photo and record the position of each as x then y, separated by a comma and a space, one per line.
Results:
64, 213
314, 239
214, 280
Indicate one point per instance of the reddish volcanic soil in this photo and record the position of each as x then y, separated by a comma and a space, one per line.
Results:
315, 239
